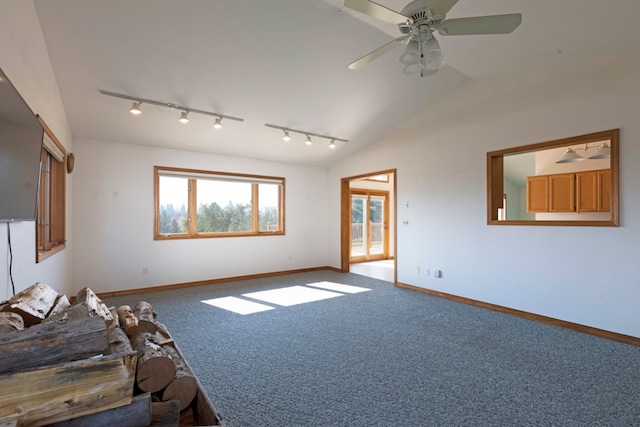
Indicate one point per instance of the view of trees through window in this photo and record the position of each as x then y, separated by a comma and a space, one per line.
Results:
223, 205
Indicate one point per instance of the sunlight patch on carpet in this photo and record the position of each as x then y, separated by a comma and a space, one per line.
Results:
292, 295
238, 305
339, 287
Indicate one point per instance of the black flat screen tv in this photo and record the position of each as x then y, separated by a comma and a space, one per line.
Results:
20, 151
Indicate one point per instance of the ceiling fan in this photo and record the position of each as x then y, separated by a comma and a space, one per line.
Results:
417, 23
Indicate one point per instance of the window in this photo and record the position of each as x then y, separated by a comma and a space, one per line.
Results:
515, 170
50, 224
195, 204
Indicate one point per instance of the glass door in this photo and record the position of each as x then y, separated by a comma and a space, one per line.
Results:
369, 226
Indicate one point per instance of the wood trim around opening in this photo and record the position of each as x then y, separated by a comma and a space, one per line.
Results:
495, 178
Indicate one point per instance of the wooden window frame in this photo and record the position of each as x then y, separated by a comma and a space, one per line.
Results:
495, 179
192, 214
51, 209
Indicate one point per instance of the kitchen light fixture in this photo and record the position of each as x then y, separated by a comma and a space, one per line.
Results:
570, 155
135, 108
604, 152
308, 141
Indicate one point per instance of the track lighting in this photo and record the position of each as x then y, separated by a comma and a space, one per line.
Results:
570, 155
287, 137
135, 108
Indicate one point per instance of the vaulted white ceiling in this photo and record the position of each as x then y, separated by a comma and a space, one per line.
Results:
284, 62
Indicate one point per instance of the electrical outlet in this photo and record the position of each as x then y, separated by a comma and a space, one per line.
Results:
437, 273
418, 270
426, 271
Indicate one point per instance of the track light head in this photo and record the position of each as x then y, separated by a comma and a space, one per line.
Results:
332, 144
286, 136
183, 118
135, 108
308, 141
604, 152
217, 123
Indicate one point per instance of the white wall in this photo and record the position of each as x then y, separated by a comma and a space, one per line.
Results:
113, 220
24, 58
587, 275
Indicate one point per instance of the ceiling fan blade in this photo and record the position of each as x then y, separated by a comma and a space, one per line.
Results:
437, 8
376, 10
441, 7
494, 24
371, 56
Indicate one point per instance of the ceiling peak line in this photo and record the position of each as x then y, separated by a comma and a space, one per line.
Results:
137, 102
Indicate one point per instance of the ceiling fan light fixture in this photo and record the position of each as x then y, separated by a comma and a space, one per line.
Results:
570, 156
135, 108
217, 123
412, 69
411, 53
434, 59
604, 152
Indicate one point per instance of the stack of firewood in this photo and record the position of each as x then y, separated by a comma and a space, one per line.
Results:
161, 370
87, 364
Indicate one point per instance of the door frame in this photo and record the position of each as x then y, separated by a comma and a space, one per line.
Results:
345, 219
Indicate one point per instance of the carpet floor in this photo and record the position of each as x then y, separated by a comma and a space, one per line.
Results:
389, 357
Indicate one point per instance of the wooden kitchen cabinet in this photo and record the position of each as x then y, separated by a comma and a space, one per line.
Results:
538, 193
562, 192
593, 190
588, 191
604, 190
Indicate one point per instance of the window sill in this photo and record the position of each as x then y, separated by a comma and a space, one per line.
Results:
42, 255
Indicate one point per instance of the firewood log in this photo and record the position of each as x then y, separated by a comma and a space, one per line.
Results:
33, 304
118, 341
53, 342
96, 306
143, 311
76, 311
166, 414
10, 322
184, 385
128, 320
155, 369
135, 414
62, 304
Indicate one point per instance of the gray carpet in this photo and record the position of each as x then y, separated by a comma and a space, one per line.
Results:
393, 357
